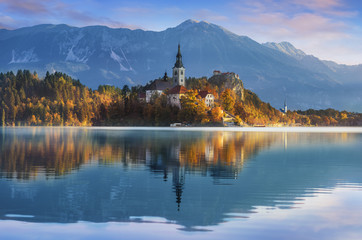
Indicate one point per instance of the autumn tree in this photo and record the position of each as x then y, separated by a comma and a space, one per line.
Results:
193, 109
216, 114
60, 100
227, 99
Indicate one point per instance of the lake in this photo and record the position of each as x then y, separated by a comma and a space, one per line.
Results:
187, 183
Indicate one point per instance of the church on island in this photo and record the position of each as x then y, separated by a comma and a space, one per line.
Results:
178, 79
175, 87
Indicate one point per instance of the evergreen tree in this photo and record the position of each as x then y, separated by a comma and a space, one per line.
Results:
59, 99
3, 118
125, 90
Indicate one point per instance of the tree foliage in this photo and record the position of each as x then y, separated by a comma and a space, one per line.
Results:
193, 108
59, 100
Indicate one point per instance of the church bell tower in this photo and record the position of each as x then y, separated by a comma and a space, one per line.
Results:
178, 71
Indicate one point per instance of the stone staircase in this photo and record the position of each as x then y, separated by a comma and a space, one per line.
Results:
228, 120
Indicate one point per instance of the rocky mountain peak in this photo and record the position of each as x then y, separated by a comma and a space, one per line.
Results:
286, 48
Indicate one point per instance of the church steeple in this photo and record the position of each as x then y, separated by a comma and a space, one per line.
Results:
165, 77
285, 105
178, 63
178, 71
285, 109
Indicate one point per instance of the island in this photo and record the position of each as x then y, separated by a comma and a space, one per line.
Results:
221, 100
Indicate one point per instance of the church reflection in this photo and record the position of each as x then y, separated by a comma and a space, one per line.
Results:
31, 153
178, 178
55, 152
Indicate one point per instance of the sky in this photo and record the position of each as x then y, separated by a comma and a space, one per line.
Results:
327, 29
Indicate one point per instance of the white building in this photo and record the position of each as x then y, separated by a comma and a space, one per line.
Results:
208, 98
158, 87
174, 95
178, 77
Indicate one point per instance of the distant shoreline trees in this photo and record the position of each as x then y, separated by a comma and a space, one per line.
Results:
59, 100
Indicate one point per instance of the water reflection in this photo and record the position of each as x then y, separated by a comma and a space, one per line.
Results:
27, 152
192, 178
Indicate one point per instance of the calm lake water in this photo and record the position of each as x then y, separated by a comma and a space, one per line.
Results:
62, 183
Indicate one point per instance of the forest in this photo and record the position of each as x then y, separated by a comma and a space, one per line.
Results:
59, 100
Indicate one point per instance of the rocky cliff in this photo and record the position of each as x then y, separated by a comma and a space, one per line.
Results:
228, 80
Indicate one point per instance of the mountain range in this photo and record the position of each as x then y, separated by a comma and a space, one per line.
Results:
101, 55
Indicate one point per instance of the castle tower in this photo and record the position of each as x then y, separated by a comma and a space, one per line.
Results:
178, 71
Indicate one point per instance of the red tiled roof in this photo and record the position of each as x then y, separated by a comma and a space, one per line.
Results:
203, 94
177, 90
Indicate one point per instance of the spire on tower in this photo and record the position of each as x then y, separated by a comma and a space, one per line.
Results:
178, 71
285, 105
179, 51
165, 77
178, 63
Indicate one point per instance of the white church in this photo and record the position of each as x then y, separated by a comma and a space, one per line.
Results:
175, 88
178, 71
178, 78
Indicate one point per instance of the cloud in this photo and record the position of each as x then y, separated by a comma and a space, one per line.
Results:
206, 14
297, 18
86, 19
335, 8
149, 16
312, 24
26, 6
329, 7
6, 22
304, 25
135, 10
319, 4
52, 11
324, 28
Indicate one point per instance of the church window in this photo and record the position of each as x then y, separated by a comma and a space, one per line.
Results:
175, 72
182, 72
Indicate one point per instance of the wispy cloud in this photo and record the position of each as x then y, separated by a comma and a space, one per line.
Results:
150, 16
319, 27
304, 25
7, 22
135, 10
209, 15
319, 4
296, 19
32, 12
329, 7
26, 6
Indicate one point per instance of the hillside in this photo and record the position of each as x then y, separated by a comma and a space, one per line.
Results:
59, 100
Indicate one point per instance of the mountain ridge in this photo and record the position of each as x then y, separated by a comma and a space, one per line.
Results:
117, 56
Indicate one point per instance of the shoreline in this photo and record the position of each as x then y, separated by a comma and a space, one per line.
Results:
211, 129
242, 129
